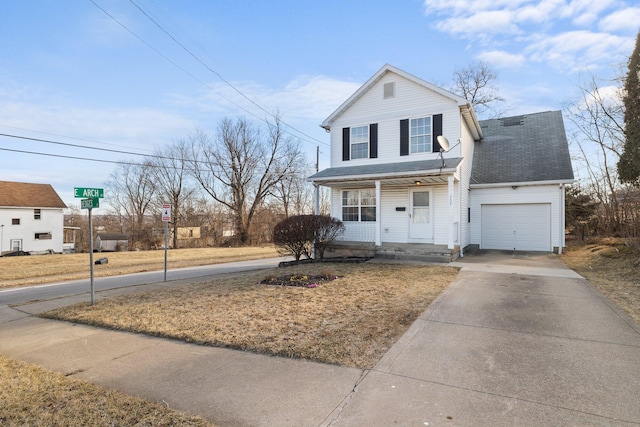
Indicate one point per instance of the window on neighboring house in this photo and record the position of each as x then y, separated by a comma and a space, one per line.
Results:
420, 135
359, 205
15, 221
36, 214
43, 236
359, 142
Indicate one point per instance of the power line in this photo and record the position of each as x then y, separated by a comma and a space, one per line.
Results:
82, 146
194, 56
200, 81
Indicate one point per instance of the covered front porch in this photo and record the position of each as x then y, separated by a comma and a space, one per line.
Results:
409, 210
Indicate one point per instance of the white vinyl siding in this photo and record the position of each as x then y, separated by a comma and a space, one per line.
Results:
23, 227
410, 101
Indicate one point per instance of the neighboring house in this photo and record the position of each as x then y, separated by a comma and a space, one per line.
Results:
498, 185
110, 242
31, 218
188, 233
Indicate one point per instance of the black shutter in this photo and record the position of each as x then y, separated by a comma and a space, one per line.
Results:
404, 137
346, 146
437, 131
373, 141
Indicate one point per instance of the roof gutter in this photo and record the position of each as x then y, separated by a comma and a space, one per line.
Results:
523, 184
367, 177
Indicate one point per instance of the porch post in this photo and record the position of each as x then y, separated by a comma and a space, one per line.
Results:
378, 222
316, 199
451, 219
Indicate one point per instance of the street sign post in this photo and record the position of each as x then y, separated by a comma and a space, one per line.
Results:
90, 199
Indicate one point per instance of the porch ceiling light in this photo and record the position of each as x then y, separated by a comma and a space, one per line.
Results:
418, 182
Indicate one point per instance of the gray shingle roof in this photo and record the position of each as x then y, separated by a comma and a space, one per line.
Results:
385, 169
527, 148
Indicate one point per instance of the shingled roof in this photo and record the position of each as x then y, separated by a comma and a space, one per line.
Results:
527, 148
27, 195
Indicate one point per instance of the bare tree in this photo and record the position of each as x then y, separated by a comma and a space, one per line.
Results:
475, 83
169, 168
131, 189
241, 167
293, 194
598, 121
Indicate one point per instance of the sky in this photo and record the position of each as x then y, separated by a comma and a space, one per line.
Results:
85, 84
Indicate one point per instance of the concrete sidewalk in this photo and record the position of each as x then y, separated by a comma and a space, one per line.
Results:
499, 348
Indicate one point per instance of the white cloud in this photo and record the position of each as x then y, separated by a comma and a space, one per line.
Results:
310, 98
625, 19
481, 23
502, 59
578, 50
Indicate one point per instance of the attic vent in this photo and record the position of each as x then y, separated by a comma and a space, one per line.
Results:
389, 90
512, 121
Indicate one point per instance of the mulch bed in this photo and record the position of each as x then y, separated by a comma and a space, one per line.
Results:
300, 280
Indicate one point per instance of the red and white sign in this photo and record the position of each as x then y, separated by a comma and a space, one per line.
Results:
166, 212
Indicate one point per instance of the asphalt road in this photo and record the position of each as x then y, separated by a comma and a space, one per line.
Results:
78, 287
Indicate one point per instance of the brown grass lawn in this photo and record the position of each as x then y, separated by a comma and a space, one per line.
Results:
37, 269
613, 266
32, 396
350, 321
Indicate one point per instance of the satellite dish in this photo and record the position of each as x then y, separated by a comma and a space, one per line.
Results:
444, 143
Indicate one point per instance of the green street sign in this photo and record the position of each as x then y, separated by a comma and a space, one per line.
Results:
91, 203
84, 193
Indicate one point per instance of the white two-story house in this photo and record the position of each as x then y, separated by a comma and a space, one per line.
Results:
413, 170
31, 218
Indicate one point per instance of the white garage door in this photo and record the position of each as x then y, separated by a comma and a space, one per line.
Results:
521, 227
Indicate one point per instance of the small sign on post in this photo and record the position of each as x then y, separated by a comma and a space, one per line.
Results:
166, 212
166, 218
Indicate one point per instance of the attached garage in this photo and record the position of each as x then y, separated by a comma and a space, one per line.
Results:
521, 227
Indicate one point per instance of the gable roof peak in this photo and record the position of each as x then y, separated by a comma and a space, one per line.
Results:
465, 107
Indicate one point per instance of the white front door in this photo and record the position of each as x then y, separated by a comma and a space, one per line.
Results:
420, 215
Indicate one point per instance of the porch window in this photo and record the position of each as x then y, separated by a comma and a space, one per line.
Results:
360, 142
420, 135
359, 205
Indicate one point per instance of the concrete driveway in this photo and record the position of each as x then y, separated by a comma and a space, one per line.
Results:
516, 340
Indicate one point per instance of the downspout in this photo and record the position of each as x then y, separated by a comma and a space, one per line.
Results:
460, 216
562, 220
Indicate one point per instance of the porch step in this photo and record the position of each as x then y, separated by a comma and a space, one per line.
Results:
395, 251
417, 252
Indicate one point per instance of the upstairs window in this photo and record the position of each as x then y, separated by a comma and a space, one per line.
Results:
36, 214
15, 221
359, 205
360, 142
420, 135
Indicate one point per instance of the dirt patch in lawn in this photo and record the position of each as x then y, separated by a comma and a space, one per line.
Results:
613, 266
351, 320
32, 396
38, 269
